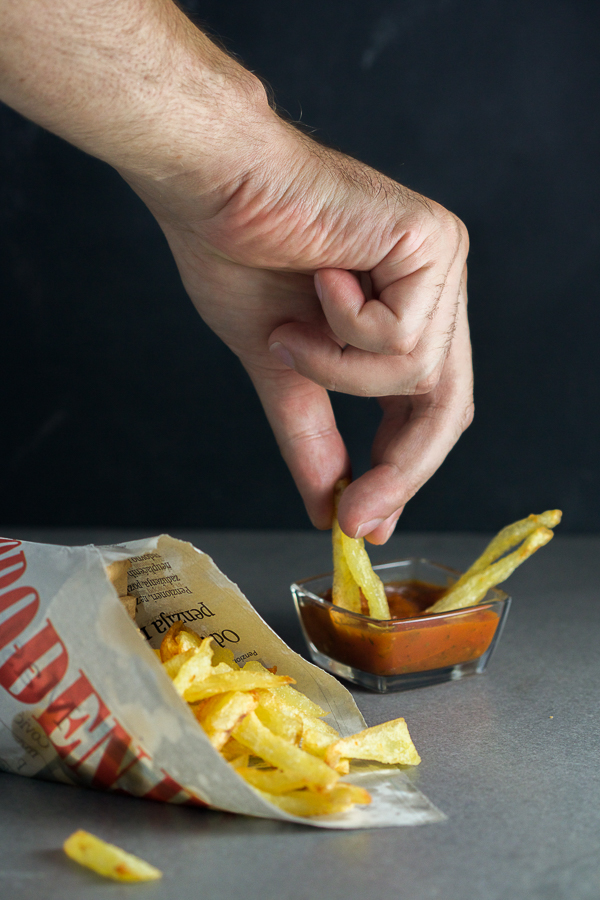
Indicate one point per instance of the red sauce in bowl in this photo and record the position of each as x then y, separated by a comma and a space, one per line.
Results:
411, 641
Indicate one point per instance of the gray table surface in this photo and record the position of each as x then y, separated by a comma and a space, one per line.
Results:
510, 756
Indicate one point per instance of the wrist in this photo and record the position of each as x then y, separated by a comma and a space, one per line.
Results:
199, 120
132, 82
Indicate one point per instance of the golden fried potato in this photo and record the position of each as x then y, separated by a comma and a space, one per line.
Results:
271, 734
219, 714
280, 718
195, 668
352, 570
388, 743
107, 859
508, 538
232, 681
472, 590
345, 592
274, 781
251, 733
339, 799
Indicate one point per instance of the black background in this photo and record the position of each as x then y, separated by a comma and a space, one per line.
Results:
120, 407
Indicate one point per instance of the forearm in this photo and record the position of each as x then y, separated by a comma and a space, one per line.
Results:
132, 82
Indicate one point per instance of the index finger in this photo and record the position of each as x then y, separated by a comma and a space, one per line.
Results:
300, 414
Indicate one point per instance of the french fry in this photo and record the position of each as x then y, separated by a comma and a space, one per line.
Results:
287, 694
352, 570
271, 734
220, 714
232, 681
280, 718
362, 571
224, 655
388, 743
473, 590
169, 646
177, 640
235, 754
251, 733
508, 538
299, 701
188, 640
317, 742
174, 663
305, 803
107, 859
194, 669
345, 592
296, 713
312, 723
274, 781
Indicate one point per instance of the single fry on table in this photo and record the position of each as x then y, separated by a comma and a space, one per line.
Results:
108, 860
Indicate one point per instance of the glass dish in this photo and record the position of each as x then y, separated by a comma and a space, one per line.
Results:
398, 654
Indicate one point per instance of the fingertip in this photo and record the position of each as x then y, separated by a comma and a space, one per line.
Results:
383, 533
366, 528
362, 510
320, 506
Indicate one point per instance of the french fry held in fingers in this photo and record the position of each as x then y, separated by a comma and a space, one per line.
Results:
353, 574
492, 568
357, 588
271, 734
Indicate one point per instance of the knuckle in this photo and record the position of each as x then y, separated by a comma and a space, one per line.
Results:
428, 382
463, 235
427, 379
455, 231
401, 345
467, 415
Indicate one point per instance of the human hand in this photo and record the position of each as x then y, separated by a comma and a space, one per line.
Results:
300, 219
259, 217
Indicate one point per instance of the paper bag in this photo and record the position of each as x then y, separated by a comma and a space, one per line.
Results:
84, 699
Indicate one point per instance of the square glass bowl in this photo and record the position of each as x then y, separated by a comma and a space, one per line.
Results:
398, 654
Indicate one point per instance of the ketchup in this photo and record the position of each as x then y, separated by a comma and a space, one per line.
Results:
411, 641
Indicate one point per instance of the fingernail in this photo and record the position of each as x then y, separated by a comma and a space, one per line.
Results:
392, 521
282, 354
318, 287
367, 527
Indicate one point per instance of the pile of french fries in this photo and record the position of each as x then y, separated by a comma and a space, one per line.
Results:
275, 737
357, 588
